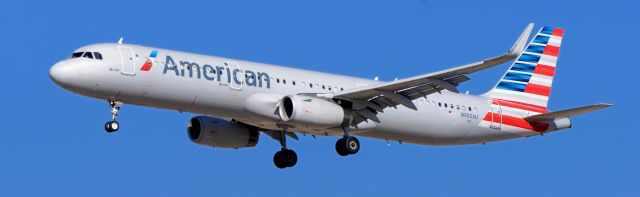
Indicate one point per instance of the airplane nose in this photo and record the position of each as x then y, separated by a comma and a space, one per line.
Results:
59, 73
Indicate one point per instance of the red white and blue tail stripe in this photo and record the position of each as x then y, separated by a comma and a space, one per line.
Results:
526, 86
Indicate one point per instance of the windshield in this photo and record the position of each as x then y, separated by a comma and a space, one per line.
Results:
87, 54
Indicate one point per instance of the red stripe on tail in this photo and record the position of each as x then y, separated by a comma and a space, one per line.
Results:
551, 50
538, 89
542, 69
558, 32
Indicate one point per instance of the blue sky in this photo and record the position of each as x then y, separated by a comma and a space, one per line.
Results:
52, 142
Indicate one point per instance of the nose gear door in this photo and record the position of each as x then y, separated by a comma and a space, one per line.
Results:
128, 60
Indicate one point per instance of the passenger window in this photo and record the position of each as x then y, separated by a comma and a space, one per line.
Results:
469, 108
88, 55
97, 55
284, 81
445, 105
323, 87
311, 85
278, 80
294, 82
341, 89
439, 104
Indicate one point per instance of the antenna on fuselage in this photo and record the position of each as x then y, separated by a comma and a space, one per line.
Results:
120, 40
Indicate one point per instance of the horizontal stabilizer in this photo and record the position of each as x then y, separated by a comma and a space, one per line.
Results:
568, 112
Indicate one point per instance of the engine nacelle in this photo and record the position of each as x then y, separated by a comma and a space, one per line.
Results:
215, 132
311, 112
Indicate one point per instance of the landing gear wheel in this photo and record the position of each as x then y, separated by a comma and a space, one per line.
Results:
353, 145
341, 147
347, 146
111, 126
285, 158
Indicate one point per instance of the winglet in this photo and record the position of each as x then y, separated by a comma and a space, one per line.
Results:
517, 47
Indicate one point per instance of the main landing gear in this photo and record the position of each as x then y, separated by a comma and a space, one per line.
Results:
112, 126
348, 145
285, 157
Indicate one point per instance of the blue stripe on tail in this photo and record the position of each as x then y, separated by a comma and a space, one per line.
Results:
511, 86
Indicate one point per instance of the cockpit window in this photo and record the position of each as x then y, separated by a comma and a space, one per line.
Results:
76, 54
97, 55
87, 54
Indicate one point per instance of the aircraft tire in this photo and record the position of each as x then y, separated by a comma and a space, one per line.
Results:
112, 126
285, 158
352, 145
341, 147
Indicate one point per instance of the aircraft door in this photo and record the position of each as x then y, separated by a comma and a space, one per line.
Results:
496, 117
237, 76
128, 61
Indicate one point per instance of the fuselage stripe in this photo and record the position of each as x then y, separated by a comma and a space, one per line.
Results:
520, 105
516, 122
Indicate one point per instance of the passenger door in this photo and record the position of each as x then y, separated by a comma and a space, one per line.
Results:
128, 60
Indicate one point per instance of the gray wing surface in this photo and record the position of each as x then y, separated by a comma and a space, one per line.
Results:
404, 91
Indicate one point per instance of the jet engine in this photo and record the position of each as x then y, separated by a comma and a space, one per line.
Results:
311, 112
216, 132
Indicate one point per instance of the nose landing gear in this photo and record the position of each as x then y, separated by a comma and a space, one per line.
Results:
113, 125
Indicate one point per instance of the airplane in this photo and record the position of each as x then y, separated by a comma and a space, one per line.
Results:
238, 100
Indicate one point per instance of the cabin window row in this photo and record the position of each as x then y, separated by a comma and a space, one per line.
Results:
452, 106
284, 81
311, 85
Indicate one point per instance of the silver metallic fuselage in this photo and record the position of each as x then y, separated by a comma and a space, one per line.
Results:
111, 78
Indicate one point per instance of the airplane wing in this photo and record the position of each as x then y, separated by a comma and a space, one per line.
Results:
402, 92
568, 112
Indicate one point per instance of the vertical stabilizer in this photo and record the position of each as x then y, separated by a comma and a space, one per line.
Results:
527, 83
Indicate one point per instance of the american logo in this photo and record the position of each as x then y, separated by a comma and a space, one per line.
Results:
149, 62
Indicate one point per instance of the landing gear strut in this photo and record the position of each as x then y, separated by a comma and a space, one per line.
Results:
112, 126
285, 157
347, 145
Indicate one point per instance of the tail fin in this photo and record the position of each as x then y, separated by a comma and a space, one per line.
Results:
528, 81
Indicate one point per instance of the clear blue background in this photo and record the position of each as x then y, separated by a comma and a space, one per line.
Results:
52, 142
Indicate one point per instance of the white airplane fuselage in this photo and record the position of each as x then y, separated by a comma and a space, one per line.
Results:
208, 85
